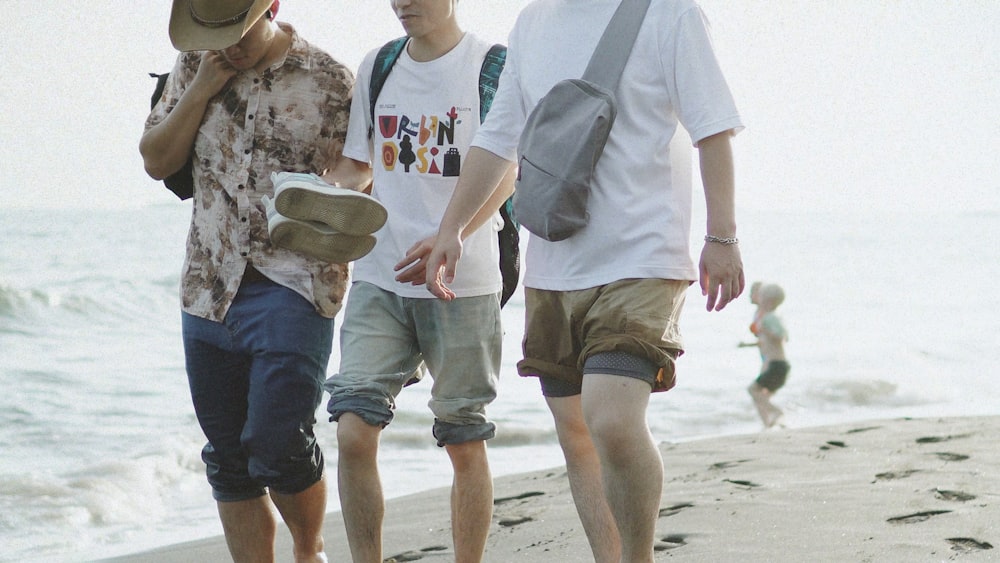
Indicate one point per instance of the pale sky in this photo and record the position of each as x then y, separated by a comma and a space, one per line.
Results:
856, 103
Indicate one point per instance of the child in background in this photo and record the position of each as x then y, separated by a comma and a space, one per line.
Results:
771, 336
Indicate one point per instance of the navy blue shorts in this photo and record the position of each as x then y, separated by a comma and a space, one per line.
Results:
256, 380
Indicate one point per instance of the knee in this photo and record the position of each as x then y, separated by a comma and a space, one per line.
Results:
356, 439
574, 437
609, 428
468, 456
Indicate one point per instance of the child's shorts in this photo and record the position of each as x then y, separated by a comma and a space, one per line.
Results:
774, 375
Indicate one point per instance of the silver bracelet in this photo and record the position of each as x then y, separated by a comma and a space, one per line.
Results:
721, 240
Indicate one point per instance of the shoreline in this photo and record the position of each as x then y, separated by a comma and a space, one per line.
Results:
922, 489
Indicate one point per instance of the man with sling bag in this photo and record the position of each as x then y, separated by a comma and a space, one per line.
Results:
603, 301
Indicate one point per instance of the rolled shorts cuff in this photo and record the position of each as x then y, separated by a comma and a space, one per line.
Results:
372, 412
298, 473
448, 433
534, 367
665, 360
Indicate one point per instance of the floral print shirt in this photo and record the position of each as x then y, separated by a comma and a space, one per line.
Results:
293, 116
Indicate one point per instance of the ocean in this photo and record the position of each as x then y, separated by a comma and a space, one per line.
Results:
888, 318
867, 187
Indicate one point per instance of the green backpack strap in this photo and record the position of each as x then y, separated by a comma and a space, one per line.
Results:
489, 78
384, 60
509, 236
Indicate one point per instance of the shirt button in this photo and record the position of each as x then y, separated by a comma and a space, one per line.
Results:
244, 219
243, 254
250, 116
241, 186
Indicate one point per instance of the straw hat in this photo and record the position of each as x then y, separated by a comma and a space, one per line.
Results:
212, 25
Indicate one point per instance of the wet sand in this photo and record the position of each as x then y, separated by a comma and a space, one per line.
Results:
905, 490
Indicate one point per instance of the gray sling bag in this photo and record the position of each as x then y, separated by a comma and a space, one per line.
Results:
565, 134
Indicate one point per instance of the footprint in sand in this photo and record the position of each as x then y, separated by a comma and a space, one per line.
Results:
742, 483
891, 475
947, 456
917, 517
958, 496
529, 494
728, 464
673, 541
413, 555
865, 429
968, 544
936, 439
833, 443
516, 520
671, 510
508, 522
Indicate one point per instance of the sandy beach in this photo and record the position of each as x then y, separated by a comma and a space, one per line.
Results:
904, 490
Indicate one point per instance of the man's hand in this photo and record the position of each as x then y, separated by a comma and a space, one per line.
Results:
166, 146
413, 267
721, 274
441, 264
214, 72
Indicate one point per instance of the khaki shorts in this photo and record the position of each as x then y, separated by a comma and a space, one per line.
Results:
635, 316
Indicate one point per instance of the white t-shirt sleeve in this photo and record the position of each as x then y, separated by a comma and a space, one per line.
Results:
357, 145
703, 89
501, 131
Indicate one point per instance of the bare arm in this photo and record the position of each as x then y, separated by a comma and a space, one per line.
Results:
503, 191
166, 146
477, 183
721, 268
413, 267
350, 173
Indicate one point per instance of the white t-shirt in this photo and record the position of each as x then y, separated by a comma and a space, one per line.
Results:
640, 220
426, 116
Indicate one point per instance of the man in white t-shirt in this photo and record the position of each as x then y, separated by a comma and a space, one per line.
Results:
602, 306
425, 116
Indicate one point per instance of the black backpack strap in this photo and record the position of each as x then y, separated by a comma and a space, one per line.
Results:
161, 82
182, 181
384, 60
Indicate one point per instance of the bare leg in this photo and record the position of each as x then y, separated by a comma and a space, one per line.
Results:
769, 413
584, 470
471, 500
614, 408
249, 526
361, 499
303, 513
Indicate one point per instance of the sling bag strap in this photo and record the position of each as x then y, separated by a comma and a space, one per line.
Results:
612, 52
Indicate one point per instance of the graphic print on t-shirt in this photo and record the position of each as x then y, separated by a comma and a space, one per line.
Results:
422, 144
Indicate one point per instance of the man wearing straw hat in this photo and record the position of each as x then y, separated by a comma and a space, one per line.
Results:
249, 97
